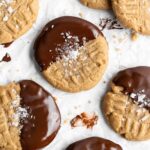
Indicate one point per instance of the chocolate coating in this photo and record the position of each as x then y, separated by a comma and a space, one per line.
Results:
94, 143
43, 123
6, 58
7, 44
134, 80
50, 38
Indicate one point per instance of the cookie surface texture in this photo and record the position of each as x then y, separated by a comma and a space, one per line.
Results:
133, 14
9, 132
97, 4
72, 54
126, 107
17, 17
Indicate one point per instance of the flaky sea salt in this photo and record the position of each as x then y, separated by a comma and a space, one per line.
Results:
141, 99
21, 113
8, 8
5, 18
70, 51
9, 1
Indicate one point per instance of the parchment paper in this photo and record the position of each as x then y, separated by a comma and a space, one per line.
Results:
123, 53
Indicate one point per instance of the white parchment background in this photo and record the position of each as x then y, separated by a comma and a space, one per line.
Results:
122, 53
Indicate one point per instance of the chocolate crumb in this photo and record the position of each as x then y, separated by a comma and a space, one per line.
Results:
108, 23
7, 44
6, 58
85, 120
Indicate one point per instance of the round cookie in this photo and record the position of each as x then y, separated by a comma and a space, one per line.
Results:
97, 4
127, 105
94, 143
72, 53
27, 119
17, 17
133, 14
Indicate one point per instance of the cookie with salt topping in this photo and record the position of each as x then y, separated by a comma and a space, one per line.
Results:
23, 124
17, 17
72, 54
133, 14
127, 105
97, 4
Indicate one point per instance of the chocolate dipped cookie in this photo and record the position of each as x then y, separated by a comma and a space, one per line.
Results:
127, 105
72, 54
29, 116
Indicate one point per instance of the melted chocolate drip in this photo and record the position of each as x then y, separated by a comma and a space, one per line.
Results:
43, 122
6, 58
7, 44
134, 80
94, 143
48, 41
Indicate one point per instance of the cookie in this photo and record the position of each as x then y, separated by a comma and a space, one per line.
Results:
17, 17
127, 105
94, 143
27, 116
133, 14
97, 4
72, 54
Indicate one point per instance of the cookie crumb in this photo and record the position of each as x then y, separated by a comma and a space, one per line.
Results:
84, 119
81, 14
134, 35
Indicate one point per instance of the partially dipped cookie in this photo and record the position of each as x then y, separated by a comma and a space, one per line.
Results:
17, 17
133, 14
97, 4
72, 54
30, 118
94, 143
127, 105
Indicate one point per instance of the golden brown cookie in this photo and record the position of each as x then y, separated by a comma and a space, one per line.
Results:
22, 121
98, 4
72, 54
133, 14
127, 105
17, 17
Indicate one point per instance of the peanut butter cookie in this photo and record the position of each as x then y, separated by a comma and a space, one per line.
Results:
133, 14
26, 116
72, 54
17, 17
127, 105
97, 4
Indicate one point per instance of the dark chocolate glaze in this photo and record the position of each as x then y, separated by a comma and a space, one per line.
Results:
43, 123
7, 44
94, 143
134, 80
50, 37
